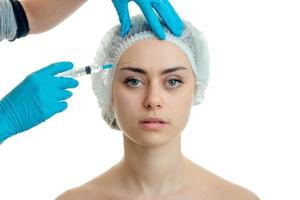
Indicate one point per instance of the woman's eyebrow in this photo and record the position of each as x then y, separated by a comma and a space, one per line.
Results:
142, 71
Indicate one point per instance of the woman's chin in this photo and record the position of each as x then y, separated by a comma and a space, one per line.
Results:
148, 138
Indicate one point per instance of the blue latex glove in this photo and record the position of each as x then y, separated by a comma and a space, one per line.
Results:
35, 99
162, 7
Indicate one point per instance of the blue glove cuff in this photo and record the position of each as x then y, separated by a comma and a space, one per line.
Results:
3, 131
6, 128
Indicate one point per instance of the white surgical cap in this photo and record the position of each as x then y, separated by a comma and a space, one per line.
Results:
112, 46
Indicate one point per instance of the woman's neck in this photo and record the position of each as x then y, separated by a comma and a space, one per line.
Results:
154, 170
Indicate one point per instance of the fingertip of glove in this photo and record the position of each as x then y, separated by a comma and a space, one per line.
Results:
68, 64
178, 32
63, 66
124, 31
63, 106
69, 94
161, 35
74, 83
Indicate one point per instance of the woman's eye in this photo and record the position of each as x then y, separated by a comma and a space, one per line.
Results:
174, 82
132, 82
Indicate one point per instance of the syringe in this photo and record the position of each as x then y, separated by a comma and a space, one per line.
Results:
90, 69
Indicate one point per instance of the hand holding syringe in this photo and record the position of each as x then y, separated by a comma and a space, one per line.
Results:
91, 69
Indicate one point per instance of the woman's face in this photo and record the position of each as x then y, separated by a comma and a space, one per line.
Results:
153, 79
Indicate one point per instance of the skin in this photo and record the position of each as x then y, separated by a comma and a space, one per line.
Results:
43, 15
153, 166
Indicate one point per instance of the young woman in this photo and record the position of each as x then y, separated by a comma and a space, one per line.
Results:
148, 96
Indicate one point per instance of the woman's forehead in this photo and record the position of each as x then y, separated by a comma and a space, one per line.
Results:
153, 49
154, 55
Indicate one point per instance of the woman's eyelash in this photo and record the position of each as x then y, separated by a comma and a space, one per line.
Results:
178, 80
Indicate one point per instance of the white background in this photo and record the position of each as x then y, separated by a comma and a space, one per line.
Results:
246, 130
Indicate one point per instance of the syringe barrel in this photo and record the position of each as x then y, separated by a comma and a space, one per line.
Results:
90, 69
79, 71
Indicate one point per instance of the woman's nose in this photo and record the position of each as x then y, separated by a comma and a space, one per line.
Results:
153, 98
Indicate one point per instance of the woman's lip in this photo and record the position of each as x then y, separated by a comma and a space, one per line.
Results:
153, 120
152, 125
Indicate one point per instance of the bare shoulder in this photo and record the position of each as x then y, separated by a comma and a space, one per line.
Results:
218, 188
91, 190
95, 189
238, 192
86, 192
74, 194
228, 190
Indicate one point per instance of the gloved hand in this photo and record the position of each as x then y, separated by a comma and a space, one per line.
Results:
35, 99
162, 7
